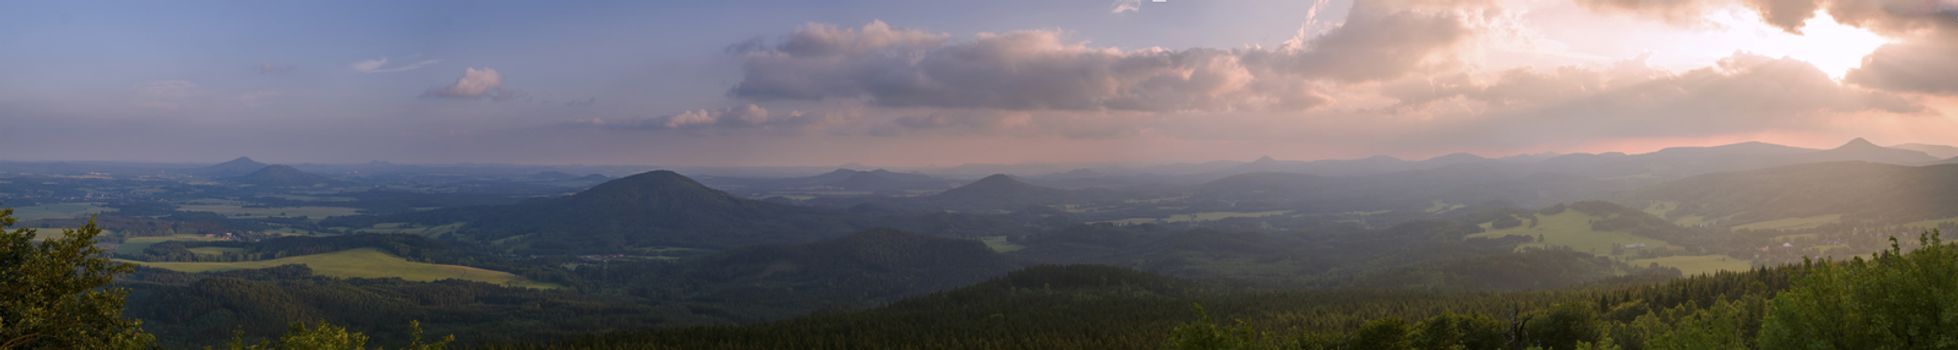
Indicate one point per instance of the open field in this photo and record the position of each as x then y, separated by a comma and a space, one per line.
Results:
363, 263
409, 229
1439, 207
1792, 223
59, 211
1200, 217
999, 244
1663, 208
214, 251
1933, 223
136, 245
1572, 229
1690, 265
242, 212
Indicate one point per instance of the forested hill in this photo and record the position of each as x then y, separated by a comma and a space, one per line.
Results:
1856, 190
659, 208
1890, 300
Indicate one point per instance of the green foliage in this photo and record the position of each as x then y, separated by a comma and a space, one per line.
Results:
1451, 331
1206, 334
323, 336
1892, 301
1565, 326
52, 292
1722, 326
1383, 334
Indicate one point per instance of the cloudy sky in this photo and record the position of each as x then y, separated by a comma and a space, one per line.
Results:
916, 83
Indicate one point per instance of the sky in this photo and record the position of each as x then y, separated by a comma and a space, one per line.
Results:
929, 83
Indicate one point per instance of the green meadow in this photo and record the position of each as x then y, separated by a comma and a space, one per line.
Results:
1792, 223
411, 229
1200, 217
136, 245
243, 212
363, 263
1000, 244
1571, 229
1933, 223
215, 251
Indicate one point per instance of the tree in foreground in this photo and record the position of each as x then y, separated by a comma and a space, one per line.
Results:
54, 293
324, 336
1895, 300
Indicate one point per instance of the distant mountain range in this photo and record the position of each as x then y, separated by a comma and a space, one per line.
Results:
995, 192
233, 168
658, 208
1940, 151
1667, 163
1858, 191
877, 181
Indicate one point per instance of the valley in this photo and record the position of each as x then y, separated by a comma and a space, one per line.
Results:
664, 252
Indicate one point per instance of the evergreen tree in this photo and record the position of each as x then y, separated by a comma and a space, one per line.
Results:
54, 293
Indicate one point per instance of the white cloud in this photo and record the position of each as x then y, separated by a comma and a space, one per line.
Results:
475, 83
1041, 70
1126, 6
380, 65
748, 116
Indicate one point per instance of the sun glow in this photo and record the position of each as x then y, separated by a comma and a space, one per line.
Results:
1833, 47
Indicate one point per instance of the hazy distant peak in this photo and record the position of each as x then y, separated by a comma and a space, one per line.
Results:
1939, 151
1000, 183
1264, 160
241, 162
997, 178
1859, 143
233, 168
1457, 157
1860, 149
659, 177
655, 189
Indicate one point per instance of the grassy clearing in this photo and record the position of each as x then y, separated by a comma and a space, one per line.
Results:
1438, 207
1220, 215
999, 244
1933, 223
1690, 265
410, 229
1797, 237
136, 245
304, 198
59, 211
1573, 229
1661, 208
1824, 250
363, 263
1198, 217
215, 251
1690, 221
1793, 223
242, 212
